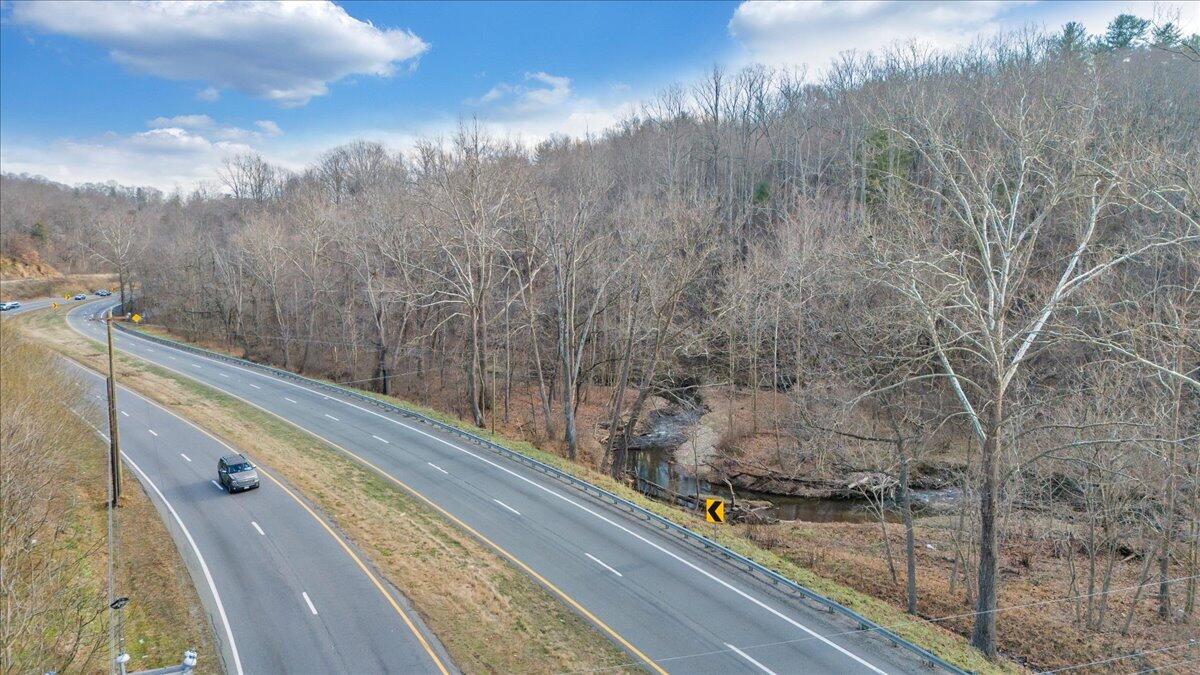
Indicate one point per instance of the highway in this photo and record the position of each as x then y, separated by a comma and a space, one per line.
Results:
38, 303
284, 593
671, 607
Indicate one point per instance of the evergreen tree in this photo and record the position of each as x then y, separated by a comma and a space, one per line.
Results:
1166, 35
1125, 31
1073, 38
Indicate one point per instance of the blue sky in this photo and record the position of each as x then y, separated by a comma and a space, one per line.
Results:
157, 94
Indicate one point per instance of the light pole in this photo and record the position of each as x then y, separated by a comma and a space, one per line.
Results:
114, 443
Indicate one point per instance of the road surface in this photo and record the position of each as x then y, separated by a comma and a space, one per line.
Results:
670, 606
283, 591
39, 303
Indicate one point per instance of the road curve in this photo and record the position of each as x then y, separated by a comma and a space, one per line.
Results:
669, 605
283, 591
30, 305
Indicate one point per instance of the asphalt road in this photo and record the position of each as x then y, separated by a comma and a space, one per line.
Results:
30, 305
671, 607
283, 591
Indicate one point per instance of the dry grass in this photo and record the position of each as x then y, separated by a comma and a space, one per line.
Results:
937, 638
489, 616
56, 286
67, 555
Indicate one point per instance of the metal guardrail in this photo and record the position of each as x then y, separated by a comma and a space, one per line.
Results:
699, 541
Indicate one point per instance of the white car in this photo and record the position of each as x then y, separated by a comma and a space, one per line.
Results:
80, 296
5, 306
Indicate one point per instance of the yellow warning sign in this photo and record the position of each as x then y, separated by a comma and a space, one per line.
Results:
714, 510
54, 305
137, 318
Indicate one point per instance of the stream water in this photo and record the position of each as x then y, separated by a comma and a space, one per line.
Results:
656, 466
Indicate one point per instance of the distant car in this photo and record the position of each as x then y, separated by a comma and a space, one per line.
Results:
80, 296
5, 306
235, 473
103, 293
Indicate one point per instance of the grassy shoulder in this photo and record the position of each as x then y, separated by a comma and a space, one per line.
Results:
488, 615
55, 286
56, 591
946, 643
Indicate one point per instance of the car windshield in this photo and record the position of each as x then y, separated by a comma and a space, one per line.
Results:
238, 468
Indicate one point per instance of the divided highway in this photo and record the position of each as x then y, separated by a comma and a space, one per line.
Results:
670, 606
30, 305
283, 591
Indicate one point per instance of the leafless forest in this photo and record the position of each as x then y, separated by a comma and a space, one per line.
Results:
982, 266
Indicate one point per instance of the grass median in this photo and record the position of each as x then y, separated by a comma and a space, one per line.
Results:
488, 615
938, 639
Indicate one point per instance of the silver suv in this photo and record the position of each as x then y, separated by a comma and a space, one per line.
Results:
235, 473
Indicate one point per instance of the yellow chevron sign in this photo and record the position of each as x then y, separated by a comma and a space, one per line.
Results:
714, 510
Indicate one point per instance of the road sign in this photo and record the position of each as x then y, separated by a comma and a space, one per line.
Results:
137, 318
714, 510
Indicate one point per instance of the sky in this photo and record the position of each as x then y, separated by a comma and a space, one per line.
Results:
159, 93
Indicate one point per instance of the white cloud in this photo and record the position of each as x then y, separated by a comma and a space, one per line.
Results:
179, 151
286, 52
814, 32
268, 127
184, 121
208, 94
542, 91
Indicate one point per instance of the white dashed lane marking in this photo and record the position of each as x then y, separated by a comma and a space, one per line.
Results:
507, 506
603, 564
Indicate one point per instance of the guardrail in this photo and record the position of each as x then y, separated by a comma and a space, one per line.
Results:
699, 541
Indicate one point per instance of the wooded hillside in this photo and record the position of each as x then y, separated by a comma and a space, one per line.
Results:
988, 259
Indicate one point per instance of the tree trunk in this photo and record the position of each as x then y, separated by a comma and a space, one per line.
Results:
983, 635
910, 556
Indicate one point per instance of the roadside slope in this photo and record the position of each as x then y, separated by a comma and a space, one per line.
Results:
489, 617
667, 603
56, 595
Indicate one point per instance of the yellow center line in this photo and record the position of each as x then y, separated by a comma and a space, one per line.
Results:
472, 531
358, 561
475, 533
362, 566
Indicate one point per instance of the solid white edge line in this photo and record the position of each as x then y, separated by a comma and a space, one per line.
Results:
576, 504
307, 600
438, 468
506, 506
381, 440
185, 457
602, 564
212, 586
746, 656
260, 530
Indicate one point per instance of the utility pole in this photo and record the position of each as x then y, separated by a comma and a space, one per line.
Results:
114, 443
